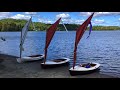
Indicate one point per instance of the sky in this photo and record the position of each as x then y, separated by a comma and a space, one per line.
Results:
99, 18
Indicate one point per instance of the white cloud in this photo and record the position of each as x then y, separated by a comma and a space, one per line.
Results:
65, 21
79, 21
48, 21
97, 21
43, 20
99, 13
85, 13
106, 13
63, 15
73, 21
20, 16
119, 19
4, 15
65, 18
31, 13
17, 16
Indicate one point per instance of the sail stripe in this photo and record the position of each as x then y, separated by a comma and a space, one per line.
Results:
90, 29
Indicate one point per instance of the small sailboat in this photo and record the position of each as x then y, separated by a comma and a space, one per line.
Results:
57, 62
23, 36
83, 68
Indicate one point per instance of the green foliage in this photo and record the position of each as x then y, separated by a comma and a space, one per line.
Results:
106, 28
17, 25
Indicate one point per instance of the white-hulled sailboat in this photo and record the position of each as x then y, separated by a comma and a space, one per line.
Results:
23, 36
57, 62
83, 68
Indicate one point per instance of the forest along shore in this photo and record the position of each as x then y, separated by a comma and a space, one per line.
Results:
9, 68
17, 25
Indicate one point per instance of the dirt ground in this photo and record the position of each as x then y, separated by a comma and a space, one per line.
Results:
9, 68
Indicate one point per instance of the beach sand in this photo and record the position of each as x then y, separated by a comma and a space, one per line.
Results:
9, 68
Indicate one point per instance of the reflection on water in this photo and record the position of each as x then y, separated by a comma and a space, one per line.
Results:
102, 47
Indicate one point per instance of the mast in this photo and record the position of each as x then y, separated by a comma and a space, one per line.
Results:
79, 33
49, 35
20, 44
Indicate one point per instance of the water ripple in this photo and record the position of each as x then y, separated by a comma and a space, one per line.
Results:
102, 47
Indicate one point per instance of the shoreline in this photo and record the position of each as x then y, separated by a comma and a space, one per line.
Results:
9, 68
60, 30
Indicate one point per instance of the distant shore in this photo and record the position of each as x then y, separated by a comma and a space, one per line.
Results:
58, 30
9, 68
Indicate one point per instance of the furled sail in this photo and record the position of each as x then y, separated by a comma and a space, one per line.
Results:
23, 34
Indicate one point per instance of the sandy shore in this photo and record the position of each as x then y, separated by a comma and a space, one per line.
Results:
9, 68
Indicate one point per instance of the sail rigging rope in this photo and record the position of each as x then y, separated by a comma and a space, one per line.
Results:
64, 25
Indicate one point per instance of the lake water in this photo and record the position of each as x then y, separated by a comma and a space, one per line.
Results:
102, 47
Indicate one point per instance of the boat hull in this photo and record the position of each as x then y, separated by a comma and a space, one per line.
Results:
52, 64
30, 58
78, 70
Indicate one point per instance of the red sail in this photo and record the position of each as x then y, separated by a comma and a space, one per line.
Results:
79, 33
49, 35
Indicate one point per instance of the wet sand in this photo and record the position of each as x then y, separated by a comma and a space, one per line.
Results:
9, 68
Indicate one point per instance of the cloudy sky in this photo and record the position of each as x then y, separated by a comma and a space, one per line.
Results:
99, 18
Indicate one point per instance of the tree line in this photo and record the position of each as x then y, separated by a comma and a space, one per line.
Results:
17, 25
